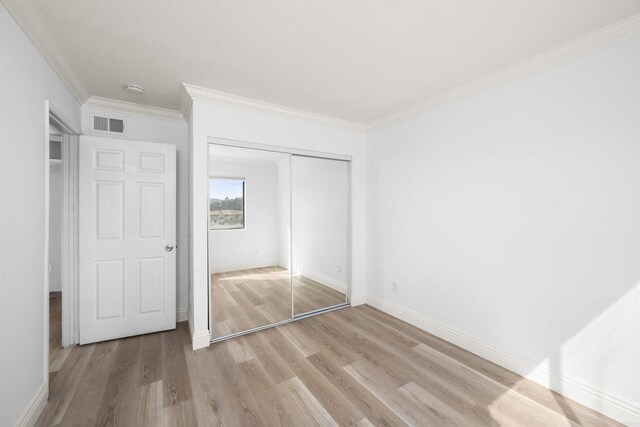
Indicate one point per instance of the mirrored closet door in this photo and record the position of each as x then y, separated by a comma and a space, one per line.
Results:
320, 201
249, 238
278, 237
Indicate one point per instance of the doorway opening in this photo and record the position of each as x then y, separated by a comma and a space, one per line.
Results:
56, 352
61, 241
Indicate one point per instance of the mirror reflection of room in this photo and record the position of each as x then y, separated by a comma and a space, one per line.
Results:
278, 236
249, 249
320, 195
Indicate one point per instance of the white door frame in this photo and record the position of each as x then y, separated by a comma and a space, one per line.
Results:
69, 232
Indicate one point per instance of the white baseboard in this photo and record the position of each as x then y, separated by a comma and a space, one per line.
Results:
181, 315
358, 299
612, 406
327, 281
200, 339
34, 408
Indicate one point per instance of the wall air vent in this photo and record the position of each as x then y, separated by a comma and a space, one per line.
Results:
106, 124
101, 123
116, 125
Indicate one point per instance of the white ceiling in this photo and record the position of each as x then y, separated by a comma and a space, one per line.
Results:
354, 60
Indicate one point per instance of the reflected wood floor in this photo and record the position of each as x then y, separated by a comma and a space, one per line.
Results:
57, 354
246, 299
356, 366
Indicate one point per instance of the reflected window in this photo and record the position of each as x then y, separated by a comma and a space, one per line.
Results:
226, 203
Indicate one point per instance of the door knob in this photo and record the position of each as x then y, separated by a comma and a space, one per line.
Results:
169, 248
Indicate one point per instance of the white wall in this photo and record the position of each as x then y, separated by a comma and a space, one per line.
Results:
513, 218
257, 244
26, 81
212, 120
55, 225
320, 198
145, 128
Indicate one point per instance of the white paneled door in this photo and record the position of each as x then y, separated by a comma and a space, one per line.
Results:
127, 238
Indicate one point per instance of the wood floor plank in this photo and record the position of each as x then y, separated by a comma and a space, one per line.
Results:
397, 366
240, 350
439, 379
182, 414
150, 359
62, 387
485, 389
372, 350
384, 389
274, 365
364, 423
443, 413
150, 409
509, 379
57, 354
298, 339
294, 405
397, 338
326, 343
269, 399
351, 389
301, 394
117, 405
357, 367
176, 385
343, 411
235, 402
207, 387
85, 403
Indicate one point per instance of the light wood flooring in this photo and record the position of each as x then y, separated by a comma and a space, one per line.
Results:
245, 299
57, 354
356, 366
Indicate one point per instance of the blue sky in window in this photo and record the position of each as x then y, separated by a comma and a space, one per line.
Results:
221, 188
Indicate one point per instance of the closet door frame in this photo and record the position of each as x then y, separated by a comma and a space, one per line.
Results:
297, 152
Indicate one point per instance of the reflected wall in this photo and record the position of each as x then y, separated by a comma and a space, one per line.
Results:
320, 206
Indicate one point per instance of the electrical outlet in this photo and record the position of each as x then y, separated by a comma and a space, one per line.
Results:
394, 286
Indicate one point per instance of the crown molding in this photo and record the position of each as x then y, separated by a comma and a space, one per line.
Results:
197, 93
29, 18
133, 108
185, 102
599, 39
